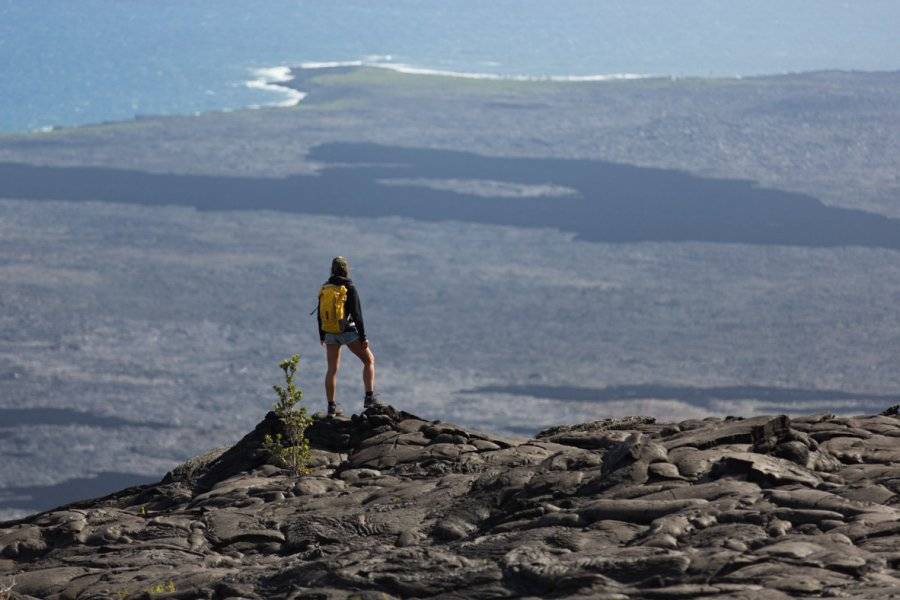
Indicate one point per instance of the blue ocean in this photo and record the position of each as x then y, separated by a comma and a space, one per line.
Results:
70, 63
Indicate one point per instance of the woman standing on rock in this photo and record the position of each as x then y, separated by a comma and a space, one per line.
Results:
341, 323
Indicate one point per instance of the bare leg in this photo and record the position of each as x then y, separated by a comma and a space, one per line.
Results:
333, 354
368, 361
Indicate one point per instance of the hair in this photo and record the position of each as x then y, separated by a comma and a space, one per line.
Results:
340, 266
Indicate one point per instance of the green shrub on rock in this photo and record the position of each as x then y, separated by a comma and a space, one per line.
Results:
290, 449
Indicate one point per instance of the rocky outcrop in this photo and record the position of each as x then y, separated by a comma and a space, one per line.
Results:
397, 506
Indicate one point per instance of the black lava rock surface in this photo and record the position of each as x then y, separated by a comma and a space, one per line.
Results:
399, 507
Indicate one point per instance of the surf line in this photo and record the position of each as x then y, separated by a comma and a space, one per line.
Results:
412, 70
269, 79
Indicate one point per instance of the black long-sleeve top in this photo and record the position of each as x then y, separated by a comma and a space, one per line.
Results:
353, 307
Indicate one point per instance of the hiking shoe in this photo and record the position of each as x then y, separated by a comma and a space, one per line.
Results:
334, 410
371, 400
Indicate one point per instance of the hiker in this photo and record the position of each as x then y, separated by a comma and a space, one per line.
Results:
341, 323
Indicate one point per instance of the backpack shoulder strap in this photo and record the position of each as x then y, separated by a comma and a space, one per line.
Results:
316, 309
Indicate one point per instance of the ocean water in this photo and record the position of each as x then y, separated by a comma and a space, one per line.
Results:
69, 63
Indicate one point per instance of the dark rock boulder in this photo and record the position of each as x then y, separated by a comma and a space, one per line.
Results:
777, 438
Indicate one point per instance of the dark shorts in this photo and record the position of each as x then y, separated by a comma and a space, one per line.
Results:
340, 339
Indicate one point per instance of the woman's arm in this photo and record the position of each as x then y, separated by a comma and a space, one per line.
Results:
355, 308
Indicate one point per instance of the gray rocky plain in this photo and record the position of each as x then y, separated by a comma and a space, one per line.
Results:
132, 269
395, 506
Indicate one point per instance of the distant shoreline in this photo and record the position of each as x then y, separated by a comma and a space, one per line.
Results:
288, 80
279, 78
408, 69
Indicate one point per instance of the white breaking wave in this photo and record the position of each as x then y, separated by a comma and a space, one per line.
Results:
332, 64
383, 62
275, 74
268, 80
410, 70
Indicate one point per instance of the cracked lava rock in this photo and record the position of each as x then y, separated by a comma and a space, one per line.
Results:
399, 507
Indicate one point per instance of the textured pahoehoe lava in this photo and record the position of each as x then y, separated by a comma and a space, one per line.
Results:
396, 506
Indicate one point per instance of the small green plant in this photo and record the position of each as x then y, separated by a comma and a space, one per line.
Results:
291, 448
162, 588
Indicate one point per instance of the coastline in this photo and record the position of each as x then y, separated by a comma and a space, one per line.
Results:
287, 81
408, 69
277, 79
284, 79
270, 79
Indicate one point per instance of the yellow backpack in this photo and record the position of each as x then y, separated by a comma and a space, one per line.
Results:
332, 308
